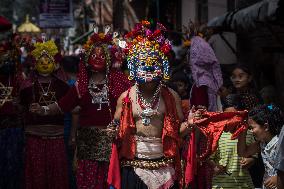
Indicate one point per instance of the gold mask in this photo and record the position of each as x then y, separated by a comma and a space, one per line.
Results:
45, 65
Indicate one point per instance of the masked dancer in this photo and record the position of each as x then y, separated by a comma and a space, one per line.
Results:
45, 159
96, 92
146, 153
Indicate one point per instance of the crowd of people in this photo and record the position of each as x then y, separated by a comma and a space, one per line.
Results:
142, 110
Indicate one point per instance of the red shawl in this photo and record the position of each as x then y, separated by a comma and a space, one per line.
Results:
127, 142
212, 125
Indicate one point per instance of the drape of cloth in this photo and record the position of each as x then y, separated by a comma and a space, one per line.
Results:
190, 157
211, 126
152, 148
11, 158
131, 180
149, 147
45, 163
92, 174
127, 141
205, 69
199, 96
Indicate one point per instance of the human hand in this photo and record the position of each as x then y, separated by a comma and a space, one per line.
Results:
112, 131
247, 162
219, 170
271, 182
36, 108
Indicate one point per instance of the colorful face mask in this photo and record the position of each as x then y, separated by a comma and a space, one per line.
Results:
44, 54
146, 63
45, 65
97, 59
146, 53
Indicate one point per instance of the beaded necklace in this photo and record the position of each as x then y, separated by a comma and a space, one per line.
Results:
99, 96
149, 109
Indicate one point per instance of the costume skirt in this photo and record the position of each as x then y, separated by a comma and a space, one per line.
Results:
93, 151
130, 180
46, 163
11, 158
92, 174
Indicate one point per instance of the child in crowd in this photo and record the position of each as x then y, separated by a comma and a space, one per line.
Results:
230, 170
180, 83
266, 122
242, 81
280, 161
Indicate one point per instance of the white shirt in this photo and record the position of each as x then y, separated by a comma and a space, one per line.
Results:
268, 153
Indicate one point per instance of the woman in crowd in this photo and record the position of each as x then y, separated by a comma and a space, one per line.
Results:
11, 119
243, 87
266, 122
45, 156
96, 91
207, 79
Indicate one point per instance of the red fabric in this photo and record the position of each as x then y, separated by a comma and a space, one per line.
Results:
4, 24
199, 96
215, 123
191, 160
127, 131
114, 177
89, 113
118, 83
83, 78
185, 105
212, 125
91, 174
46, 164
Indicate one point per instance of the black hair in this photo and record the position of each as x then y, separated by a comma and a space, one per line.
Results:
179, 76
268, 114
242, 67
232, 100
70, 64
246, 69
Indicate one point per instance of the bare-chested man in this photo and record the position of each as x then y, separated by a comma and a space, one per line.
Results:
150, 117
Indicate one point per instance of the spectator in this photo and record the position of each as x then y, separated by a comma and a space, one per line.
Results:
231, 170
268, 94
180, 83
280, 161
266, 122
